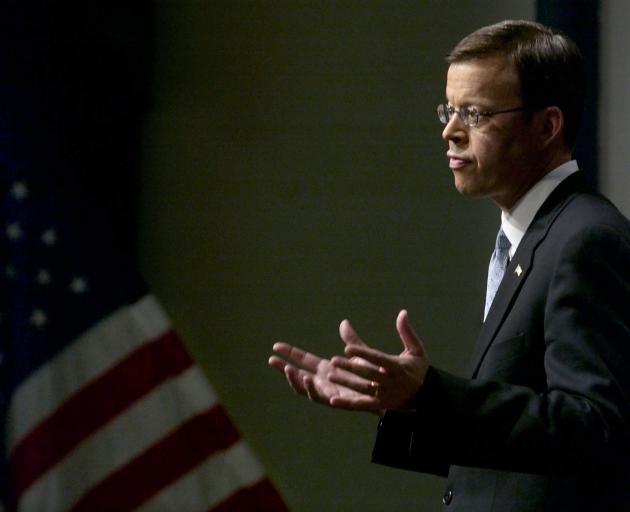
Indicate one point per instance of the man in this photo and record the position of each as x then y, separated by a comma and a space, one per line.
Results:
543, 420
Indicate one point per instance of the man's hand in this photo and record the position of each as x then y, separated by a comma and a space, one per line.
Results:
307, 374
369, 380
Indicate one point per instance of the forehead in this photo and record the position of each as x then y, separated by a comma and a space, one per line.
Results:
491, 81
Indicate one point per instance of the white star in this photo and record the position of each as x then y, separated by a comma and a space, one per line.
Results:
78, 285
43, 277
49, 237
14, 231
39, 318
19, 190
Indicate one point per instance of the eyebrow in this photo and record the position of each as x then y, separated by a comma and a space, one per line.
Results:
467, 105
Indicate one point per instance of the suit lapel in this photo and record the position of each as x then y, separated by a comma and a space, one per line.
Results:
521, 265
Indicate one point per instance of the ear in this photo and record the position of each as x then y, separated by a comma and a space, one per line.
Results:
551, 127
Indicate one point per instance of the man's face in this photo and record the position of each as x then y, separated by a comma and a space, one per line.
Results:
497, 157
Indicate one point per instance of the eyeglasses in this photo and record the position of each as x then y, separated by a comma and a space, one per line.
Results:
470, 115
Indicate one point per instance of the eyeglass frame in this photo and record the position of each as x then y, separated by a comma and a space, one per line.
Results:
444, 110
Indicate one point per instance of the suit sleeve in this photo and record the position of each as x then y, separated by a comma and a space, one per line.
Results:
580, 422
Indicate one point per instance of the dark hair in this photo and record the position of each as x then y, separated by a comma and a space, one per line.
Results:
548, 63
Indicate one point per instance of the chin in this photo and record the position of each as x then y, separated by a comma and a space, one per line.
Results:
467, 185
464, 187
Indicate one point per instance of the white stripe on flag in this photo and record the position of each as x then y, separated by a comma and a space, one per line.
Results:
129, 434
98, 349
216, 479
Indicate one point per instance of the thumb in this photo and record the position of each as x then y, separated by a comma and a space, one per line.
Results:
410, 339
348, 334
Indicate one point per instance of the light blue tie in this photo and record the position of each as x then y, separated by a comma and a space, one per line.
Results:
496, 269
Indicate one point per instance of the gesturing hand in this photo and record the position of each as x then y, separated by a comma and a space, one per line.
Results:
369, 380
308, 375
382, 381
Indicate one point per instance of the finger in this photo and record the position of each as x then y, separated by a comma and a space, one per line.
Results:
371, 355
277, 363
308, 386
297, 355
351, 381
312, 391
358, 366
295, 378
410, 339
291, 373
348, 334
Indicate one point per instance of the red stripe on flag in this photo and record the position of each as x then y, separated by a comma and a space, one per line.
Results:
260, 496
189, 445
94, 405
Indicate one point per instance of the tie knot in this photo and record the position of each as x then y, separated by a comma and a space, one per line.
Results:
503, 244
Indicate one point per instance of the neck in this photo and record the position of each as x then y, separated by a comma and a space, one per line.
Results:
545, 164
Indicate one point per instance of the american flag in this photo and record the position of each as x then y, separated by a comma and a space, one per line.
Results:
103, 408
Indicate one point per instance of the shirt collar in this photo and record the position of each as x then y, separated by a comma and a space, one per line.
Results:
515, 222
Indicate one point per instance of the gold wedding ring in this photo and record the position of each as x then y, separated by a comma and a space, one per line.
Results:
375, 387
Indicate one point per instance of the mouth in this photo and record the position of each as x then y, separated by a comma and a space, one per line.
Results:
456, 162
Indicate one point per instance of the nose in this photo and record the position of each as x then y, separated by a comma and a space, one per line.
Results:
455, 130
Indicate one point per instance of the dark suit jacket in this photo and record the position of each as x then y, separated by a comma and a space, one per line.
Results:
543, 421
